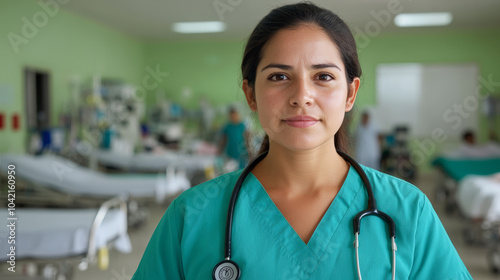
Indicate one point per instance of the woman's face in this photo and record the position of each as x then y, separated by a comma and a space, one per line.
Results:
301, 92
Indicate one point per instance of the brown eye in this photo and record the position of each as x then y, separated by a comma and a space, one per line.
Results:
325, 77
278, 77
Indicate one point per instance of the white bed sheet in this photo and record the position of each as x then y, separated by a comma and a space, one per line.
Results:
479, 197
58, 233
155, 162
63, 175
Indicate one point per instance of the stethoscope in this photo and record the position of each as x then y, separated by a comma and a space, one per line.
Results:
229, 270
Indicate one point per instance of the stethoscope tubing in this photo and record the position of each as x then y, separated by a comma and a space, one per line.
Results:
232, 202
371, 209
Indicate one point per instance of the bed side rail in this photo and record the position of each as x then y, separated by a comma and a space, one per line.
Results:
116, 202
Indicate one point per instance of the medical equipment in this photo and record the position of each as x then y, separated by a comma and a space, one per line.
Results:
395, 157
229, 270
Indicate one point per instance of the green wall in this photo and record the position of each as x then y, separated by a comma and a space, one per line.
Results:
208, 69
68, 47
475, 46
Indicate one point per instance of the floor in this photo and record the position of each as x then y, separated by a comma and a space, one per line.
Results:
122, 266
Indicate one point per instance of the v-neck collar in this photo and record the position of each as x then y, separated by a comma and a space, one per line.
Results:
307, 256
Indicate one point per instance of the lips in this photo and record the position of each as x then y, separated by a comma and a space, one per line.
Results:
301, 121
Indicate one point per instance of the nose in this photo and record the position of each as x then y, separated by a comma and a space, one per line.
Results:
302, 94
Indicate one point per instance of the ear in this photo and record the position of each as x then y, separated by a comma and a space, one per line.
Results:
351, 95
250, 95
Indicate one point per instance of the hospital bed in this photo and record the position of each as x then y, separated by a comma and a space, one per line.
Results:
478, 198
56, 181
454, 169
60, 174
196, 166
50, 242
467, 185
151, 162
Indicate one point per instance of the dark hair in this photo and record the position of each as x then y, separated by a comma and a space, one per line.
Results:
232, 110
290, 16
467, 133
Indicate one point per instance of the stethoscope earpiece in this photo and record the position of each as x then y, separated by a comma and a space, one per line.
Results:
226, 270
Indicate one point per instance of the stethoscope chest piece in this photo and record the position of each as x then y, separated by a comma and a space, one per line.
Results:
226, 270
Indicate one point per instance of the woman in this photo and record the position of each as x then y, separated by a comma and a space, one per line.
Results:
293, 216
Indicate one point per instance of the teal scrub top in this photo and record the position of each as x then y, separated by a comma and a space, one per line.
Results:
189, 240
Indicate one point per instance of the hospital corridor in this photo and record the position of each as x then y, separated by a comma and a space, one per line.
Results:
263, 139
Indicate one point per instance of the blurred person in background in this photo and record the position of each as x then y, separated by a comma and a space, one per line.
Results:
471, 149
235, 138
368, 142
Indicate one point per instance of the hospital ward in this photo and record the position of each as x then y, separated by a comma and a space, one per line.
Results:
238, 139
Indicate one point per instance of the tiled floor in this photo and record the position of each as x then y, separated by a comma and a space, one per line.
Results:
122, 266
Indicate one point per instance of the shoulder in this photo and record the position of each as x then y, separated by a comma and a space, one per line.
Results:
389, 180
397, 191
212, 192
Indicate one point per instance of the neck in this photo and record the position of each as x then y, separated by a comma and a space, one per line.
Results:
302, 172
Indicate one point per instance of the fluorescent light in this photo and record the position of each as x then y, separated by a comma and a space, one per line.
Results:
199, 27
423, 19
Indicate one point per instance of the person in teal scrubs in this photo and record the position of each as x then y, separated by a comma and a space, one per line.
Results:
234, 139
293, 217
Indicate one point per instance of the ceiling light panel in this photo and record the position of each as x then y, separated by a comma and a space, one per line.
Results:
199, 27
423, 19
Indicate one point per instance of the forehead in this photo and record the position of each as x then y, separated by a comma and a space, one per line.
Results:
306, 43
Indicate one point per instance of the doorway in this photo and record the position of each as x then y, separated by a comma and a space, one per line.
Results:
37, 100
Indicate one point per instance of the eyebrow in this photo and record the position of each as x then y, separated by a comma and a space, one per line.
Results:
325, 65
275, 65
288, 67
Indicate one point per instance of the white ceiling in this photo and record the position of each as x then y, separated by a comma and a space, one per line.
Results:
151, 19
